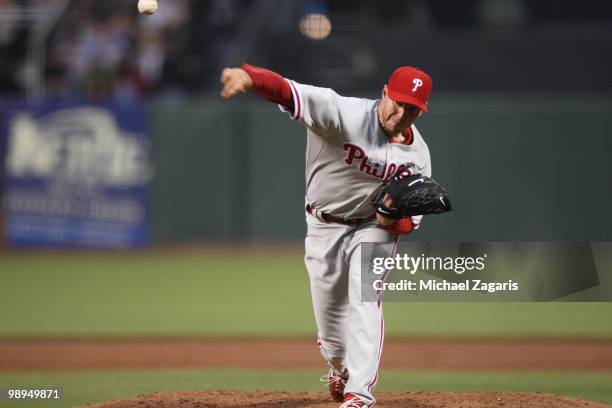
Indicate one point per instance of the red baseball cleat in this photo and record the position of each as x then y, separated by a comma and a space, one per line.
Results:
353, 401
336, 383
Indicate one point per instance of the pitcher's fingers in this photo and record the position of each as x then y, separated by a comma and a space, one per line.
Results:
225, 75
387, 201
225, 92
229, 91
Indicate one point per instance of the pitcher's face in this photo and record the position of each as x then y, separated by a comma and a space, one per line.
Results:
396, 116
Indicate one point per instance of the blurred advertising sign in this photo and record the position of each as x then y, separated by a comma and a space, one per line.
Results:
76, 175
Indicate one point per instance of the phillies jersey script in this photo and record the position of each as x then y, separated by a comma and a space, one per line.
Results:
348, 155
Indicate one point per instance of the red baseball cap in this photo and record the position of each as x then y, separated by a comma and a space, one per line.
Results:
410, 85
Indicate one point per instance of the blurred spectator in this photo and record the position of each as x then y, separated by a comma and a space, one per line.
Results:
158, 34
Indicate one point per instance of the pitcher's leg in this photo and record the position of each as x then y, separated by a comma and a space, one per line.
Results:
328, 272
365, 327
331, 314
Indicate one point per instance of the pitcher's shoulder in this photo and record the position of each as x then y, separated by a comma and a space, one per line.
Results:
418, 138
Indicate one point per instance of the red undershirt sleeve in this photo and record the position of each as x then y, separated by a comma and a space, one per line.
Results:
271, 86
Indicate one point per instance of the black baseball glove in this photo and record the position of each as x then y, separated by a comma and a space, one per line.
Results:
412, 195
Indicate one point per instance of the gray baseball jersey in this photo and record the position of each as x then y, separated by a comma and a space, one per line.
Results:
348, 156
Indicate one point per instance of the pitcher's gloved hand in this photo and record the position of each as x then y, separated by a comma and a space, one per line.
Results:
412, 195
402, 226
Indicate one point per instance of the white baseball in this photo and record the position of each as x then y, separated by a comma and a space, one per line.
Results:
147, 6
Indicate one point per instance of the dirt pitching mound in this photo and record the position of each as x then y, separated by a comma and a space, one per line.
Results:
261, 399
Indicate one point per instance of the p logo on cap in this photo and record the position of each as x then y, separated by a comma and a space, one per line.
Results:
410, 85
417, 83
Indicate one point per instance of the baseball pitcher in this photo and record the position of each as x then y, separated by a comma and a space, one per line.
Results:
353, 146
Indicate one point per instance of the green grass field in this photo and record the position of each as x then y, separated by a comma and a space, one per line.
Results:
225, 293
97, 386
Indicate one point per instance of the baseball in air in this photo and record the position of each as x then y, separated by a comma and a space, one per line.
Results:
147, 7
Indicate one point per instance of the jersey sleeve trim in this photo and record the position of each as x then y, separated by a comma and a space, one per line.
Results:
416, 221
298, 102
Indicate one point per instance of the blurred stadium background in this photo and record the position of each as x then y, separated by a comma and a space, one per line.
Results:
113, 136
521, 105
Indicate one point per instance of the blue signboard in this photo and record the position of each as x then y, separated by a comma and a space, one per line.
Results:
76, 174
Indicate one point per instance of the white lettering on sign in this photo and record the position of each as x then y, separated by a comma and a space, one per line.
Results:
80, 144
